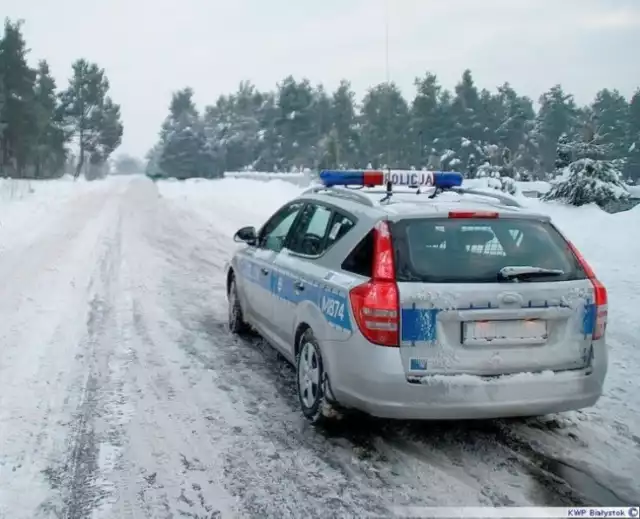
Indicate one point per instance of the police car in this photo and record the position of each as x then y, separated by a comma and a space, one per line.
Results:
405, 295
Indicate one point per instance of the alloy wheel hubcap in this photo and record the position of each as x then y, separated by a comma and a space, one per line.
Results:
309, 375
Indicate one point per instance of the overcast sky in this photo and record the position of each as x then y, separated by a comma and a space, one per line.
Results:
150, 48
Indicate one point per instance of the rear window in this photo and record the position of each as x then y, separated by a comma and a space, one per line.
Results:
475, 250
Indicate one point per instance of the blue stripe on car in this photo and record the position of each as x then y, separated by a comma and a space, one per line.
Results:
333, 304
589, 319
418, 324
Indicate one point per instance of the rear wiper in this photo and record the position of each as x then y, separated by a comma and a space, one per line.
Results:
517, 273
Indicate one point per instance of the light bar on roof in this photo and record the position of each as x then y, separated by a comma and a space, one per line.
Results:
397, 177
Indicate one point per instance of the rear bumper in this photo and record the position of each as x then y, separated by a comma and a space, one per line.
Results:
374, 381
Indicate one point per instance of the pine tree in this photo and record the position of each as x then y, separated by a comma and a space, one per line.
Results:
590, 177
385, 119
466, 109
516, 121
296, 122
558, 114
564, 152
185, 150
428, 120
18, 114
184, 154
50, 153
345, 138
90, 115
632, 142
152, 168
610, 112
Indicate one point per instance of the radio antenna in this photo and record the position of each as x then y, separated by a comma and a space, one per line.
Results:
388, 81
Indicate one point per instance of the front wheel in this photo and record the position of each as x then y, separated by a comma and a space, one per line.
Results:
237, 323
311, 383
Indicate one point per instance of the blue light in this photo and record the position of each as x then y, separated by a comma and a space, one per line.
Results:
448, 179
344, 178
397, 177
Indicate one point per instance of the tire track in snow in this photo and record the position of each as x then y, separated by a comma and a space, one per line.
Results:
168, 458
262, 468
43, 359
76, 479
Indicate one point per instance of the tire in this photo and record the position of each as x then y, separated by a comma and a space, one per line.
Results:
237, 324
311, 383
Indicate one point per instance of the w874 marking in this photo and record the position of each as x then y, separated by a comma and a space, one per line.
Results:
332, 307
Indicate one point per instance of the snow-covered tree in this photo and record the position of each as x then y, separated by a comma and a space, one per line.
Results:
302, 125
632, 168
589, 177
185, 150
495, 178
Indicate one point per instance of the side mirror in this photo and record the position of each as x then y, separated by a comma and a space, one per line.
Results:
247, 235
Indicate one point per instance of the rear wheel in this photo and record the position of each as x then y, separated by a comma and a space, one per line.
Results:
311, 383
237, 323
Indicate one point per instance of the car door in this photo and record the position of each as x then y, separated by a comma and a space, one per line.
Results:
300, 270
271, 239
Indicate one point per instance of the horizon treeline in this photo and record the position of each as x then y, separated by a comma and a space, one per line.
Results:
300, 125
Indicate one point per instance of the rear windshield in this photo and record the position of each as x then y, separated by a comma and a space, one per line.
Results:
476, 250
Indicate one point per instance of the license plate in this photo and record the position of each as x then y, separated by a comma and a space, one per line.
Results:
525, 331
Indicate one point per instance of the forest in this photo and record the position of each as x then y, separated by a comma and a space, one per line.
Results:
472, 130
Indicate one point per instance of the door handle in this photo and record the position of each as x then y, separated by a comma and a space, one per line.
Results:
264, 271
298, 285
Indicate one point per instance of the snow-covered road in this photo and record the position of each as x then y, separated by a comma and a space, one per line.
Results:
123, 395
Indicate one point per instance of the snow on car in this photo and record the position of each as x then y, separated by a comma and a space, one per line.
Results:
372, 293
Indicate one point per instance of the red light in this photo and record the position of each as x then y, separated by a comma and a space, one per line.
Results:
383, 263
375, 304
473, 214
600, 296
373, 178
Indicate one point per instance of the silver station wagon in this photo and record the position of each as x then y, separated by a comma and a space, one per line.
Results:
405, 295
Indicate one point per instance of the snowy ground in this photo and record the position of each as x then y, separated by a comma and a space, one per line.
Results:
122, 394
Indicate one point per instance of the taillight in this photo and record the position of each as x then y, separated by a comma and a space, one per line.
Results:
473, 214
601, 299
375, 303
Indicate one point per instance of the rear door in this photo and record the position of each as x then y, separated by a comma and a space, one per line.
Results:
302, 275
459, 315
259, 269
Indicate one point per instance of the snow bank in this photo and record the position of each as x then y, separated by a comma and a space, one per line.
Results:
243, 201
533, 189
472, 380
634, 191
300, 179
31, 201
12, 189
539, 187
17, 189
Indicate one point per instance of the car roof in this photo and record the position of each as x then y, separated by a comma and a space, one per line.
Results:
409, 204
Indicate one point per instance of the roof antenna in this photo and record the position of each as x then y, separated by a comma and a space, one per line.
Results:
387, 73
